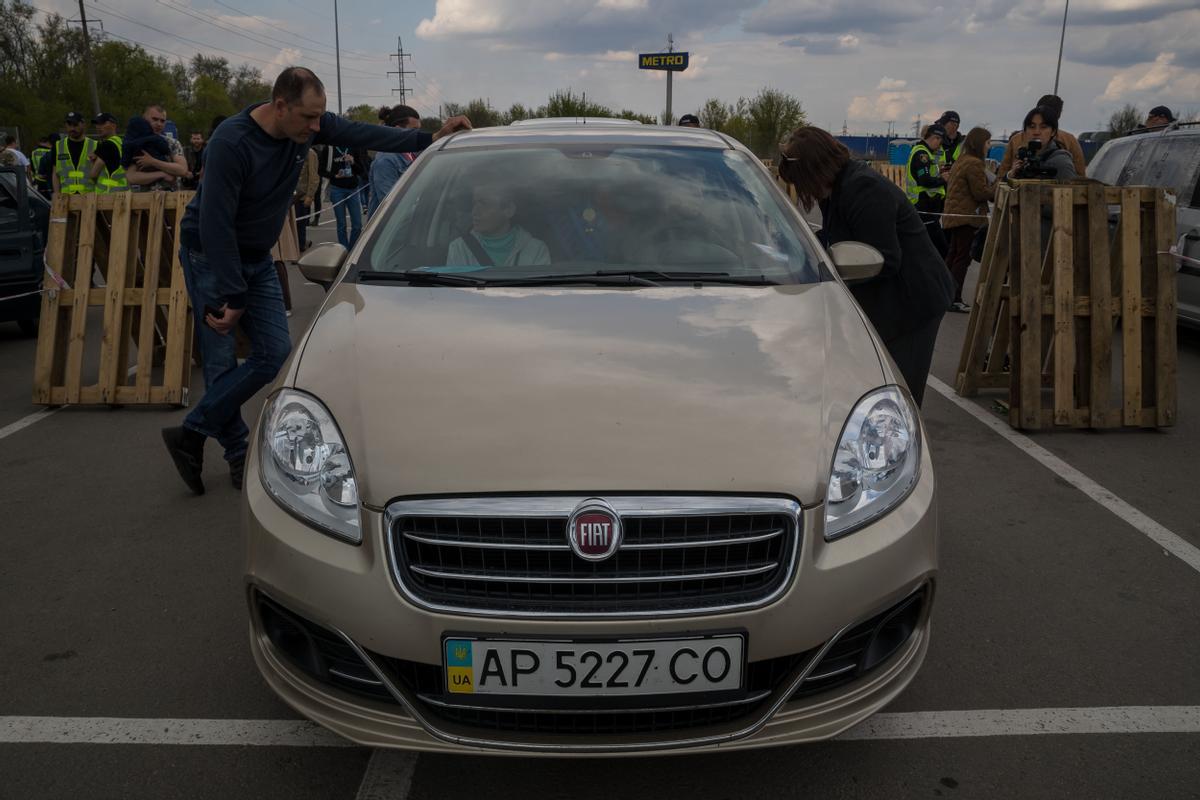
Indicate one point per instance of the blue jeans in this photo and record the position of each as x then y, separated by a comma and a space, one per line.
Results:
351, 207
227, 384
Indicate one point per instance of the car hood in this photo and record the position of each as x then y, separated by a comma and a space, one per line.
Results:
442, 391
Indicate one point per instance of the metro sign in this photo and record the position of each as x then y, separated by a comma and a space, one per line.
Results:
594, 530
672, 62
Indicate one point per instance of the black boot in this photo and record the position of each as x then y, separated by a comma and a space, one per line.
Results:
187, 451
237, 470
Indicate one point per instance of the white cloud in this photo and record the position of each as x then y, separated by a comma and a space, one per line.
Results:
1153, 83
881, 107
887, 84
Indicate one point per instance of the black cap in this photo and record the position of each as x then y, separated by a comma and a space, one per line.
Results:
104, 116
950, 116
689, 118
74, 116
935, 130
1161, 111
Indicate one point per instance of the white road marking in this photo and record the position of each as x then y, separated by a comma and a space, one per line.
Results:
1028, 722
1160, 535
25, 422
211, 732
298, 733
38, 416
389, 775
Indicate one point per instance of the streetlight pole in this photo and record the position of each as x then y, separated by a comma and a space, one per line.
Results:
1061, 40
337, 48
87, 55
670, 77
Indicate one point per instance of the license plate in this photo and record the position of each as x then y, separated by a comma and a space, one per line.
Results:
583, 669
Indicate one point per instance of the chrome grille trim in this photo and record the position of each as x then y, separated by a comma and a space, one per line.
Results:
661, 577
668, 545
630, 507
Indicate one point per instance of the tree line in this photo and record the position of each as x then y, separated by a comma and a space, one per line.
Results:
43, 71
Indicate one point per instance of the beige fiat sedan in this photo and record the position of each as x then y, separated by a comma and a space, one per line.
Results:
589, 451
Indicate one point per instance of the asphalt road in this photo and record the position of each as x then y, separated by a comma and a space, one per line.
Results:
121, 597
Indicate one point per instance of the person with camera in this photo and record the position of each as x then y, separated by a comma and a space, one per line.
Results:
1065, 140
346, 170
1042, 157
909, 297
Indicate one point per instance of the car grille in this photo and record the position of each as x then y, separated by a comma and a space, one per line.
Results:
676, 561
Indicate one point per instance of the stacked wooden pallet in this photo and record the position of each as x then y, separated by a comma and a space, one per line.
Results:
118, 253
1072, 278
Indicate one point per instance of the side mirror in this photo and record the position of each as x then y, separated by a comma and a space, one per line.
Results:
856, 261
323, 263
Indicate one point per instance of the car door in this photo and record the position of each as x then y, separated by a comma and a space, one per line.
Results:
19, 240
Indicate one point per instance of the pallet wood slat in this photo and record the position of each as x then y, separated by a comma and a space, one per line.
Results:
1065, 290
137, 302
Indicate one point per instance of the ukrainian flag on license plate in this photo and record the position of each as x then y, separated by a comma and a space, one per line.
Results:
460, 673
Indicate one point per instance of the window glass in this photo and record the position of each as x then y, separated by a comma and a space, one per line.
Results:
516, 212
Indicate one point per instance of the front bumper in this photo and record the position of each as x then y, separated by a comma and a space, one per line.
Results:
348, 591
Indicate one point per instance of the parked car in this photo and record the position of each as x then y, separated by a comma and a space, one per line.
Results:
1170, 159
24, 219
654, 486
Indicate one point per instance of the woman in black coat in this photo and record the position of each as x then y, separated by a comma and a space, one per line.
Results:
907, 300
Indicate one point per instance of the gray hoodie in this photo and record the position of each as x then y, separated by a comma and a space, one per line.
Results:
1058, 157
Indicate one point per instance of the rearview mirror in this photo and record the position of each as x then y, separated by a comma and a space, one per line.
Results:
323, 263
856, 261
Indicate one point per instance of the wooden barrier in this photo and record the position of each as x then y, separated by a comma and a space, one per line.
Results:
893, 172
129, 240
1047, 308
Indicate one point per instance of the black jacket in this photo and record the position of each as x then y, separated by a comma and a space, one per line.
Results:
914, 286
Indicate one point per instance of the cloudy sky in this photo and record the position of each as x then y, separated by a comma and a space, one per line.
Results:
863, 63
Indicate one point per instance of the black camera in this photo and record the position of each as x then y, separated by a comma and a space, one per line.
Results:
1034, 169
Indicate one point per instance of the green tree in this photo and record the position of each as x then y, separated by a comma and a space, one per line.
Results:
565, 103
772, 114
247, 86
363, 112
431, 124
714, 114
213, 67
481, 114
1125, 120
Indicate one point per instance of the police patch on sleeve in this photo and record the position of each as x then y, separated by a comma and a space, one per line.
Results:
922, 158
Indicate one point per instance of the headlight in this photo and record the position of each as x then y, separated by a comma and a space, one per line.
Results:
305, 465
876, 463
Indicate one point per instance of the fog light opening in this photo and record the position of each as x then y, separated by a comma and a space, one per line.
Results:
891, 634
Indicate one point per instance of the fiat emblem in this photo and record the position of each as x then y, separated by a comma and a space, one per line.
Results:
594, 530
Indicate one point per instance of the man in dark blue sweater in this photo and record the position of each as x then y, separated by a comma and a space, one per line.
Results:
252, 164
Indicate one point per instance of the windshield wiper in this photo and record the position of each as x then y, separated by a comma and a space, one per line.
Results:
695, 275
420, 277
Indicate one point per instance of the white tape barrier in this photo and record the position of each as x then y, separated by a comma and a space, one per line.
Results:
357, 192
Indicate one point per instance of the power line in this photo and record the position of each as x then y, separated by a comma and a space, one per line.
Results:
285, 30
271, 41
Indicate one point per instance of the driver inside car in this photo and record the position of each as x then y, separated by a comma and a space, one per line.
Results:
494, 240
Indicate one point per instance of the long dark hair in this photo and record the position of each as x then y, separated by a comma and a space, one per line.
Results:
810, 159
976, 142
1048, 114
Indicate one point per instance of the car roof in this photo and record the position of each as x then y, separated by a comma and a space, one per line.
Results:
552, 121
570, 132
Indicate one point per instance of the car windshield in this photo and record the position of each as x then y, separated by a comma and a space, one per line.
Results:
545, 213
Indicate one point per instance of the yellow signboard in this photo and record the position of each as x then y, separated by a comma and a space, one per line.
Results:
673, 62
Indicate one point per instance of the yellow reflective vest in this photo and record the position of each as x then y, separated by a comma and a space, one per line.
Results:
73, 177
915, 189
114, 181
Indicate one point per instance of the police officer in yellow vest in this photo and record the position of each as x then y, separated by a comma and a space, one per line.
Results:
72, 157
952, 145
106, 169
926, 186
37, 161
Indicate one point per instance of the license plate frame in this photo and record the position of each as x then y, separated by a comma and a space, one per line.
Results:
682, 656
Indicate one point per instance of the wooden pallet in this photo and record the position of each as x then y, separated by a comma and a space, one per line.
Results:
1052, 313
893, 172
130, 240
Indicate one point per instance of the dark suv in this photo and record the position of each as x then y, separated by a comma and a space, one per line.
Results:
24, 218
1169, 158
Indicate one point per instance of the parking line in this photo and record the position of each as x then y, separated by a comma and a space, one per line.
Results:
1173, 543
389, 775
297, 733
25, 422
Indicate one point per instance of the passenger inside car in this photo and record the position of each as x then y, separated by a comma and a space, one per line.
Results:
494, 239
